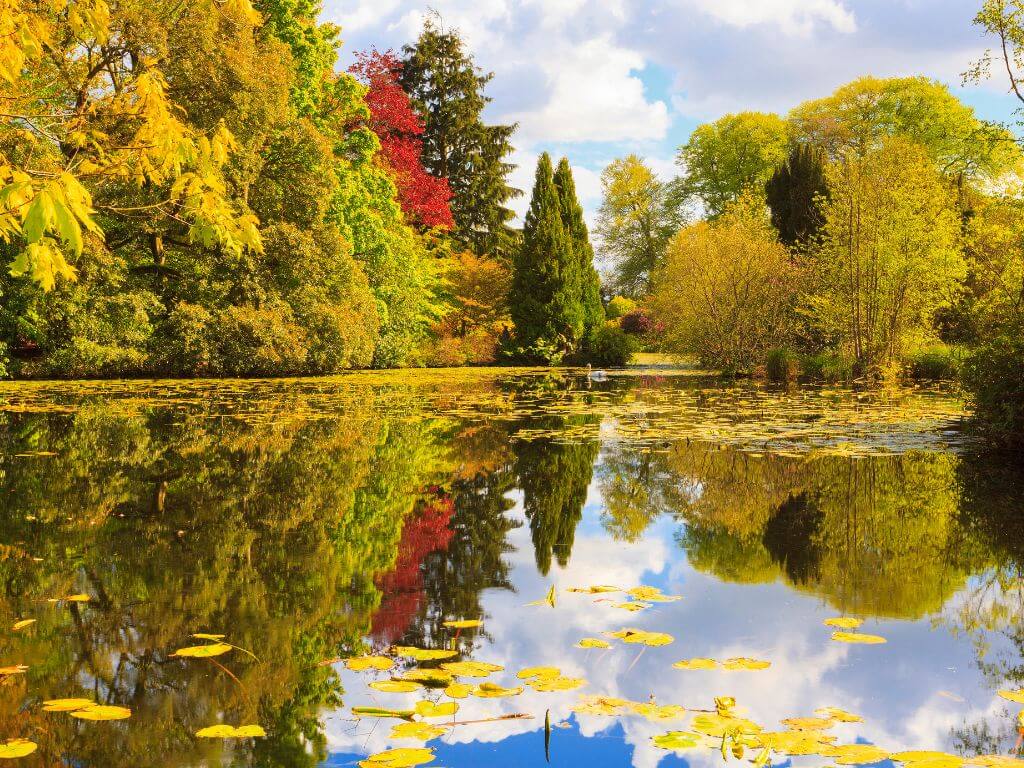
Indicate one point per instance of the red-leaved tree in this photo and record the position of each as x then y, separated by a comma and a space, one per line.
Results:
424, 198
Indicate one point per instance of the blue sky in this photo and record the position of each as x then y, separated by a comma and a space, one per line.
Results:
597, 79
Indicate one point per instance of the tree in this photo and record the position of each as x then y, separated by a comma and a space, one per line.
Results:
727, 289
447, 90
735, 153
638, 216
794, 194
859, 116
889, 255
546, 289
576, 229
424, 198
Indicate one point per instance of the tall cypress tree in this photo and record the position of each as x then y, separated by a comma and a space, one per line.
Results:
576, 229
546, 292
447, 89
794, 192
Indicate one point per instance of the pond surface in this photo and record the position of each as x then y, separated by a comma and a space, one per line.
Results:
314, 521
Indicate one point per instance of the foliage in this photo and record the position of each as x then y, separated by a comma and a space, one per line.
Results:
726, 158
828, 366
639, 214
638, 323
576, 230
795, 193
889, 256
936, 363
424, 198
782, 365
447, 90
619, 307
727, 290
546, 287
994, 375
861, 115
611, 347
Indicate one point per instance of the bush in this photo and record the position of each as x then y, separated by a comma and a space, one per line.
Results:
637, 323
940, 363
618, 307
611, 347
783, 365
827, 367
994, 375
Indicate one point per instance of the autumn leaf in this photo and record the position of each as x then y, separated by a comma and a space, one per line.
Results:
471, 668
231, 732
593, 642
677, 740
690, 664
857, 638
743, 663
66, 705
417, 731
843, 622
492, 691
102, 712
15, 748
395, 686
429, 709
398, 758
203, 651
380, 663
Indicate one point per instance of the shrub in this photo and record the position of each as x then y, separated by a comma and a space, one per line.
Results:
783, 365
994, 375
618, 307
827, 367
936, 364
637, 323
611, 347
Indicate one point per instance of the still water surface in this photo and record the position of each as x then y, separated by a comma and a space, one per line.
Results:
313, 521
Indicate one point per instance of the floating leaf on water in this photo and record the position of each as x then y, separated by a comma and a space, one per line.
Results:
422, 654
102, 712
18, 625
464, 624
231, 732
363, 663
492, 691
600, 705
1014, 696
401, 714
530, 672
593, 642
796, 742
808, 723
658, 712
203, 651
79, 598
677, 740
16, 669
429, 709
417, 731
652, 595
549, 599
839, 714
599, 589
14, 748
719, 725
857, 637
843, 622
398, 758
557, 683
395, 686
632, 606
471, 668
458, 690
856, 754
690, 664
432, 677
724, 705
66, 705
207, 636
639, 636
744, 663
928, 759
996, 761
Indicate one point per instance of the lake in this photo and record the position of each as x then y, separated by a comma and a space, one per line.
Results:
661, 554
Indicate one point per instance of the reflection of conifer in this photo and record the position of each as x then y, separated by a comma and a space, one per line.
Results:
554, 478
790, 536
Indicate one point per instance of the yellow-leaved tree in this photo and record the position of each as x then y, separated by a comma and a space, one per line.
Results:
85, 108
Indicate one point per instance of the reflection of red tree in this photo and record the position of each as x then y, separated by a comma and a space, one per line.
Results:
425, 531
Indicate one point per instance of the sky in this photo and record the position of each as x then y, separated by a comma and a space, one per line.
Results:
598, 79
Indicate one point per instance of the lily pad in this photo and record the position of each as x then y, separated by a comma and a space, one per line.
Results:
464, 624
102, 712
417, 731
677, 740
398, 758
858, 638
691, 664
471, 668
363, 663
395, 686
66, 705
203, 651
593, 642
14, 748
429, 709
843, 622
743, 663
642, 637
492, 691
231, 732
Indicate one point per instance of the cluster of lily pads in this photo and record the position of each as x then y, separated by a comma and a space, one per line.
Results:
723, 728
87, 709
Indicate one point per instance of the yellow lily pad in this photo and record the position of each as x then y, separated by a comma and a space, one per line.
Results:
858, 638
598, 589
19, 625
556, 683
796, 742
400, 714
464, 624
691, 664
652, 595
600, 705
530, 672
808, 723
641, 637
492, 691
395, 686
102, 712
922, 758
66, 705
856, 754
843, 622
363, 663
839, 714
423, 654
593, 642
677, 740
417, 731
716, 724
398, 758
14, 748
458, 690
743, 663
471, 668
632, 606
429, 709
231, 732
203, 651
1015, 696
432, 677
658, 712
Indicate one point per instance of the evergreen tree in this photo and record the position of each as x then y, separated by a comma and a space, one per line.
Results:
576, 230
546, 291
447, 90
794, 193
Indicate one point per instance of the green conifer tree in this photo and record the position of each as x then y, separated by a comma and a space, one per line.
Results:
447, 90
576, 229
794, 194
546, 292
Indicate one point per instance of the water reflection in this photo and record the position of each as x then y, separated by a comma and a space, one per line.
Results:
309, 529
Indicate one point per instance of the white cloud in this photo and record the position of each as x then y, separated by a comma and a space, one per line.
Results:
793, 17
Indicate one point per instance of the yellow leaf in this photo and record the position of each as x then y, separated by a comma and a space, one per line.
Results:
207, 636
632, 606
556, 683
464, 624
796, 742
639, 636
808, 723
997, 761
417, 731
856, 754
381, 663
658, 712
677, 740
719, 725
230, 732
16, 748
843, 622
690, 664
857, 637
1014, 696
529, 672
458, 690
66, 705
470, 668
928, 759
398, 758
17, 669
429, 709
492, 691
745, 663
652, 595
432, 677
203, 651
22, 624
593, 642
102, 712
395, 686
422, 654
839, 714
79, 598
